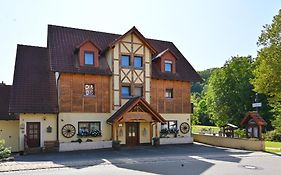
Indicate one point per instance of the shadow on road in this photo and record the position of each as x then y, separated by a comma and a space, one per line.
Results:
167, 159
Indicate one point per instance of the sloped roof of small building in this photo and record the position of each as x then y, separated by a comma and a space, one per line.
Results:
34, 85
4, 102
255, 116
130, 104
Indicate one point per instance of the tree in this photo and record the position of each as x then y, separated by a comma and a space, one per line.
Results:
198, 87
229, 93
267, 74
200, 114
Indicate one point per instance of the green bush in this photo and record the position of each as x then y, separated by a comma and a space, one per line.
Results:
241, 133
4, 152
274, 136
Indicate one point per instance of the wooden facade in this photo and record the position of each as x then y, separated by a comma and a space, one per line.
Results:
71, 93
180, 103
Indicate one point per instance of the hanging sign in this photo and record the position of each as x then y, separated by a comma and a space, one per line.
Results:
256, 105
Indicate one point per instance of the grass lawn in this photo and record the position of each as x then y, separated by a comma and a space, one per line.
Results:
198, 128
276, 145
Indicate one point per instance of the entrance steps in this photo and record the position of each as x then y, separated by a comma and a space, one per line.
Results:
49, 146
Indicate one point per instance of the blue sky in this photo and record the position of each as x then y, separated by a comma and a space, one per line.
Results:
206, 32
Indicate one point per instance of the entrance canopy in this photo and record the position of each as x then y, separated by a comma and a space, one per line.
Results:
136, 110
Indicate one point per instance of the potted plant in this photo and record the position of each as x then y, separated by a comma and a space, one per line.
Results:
116, 144
155, 141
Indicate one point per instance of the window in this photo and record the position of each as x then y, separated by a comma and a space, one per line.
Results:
138, 91
89, 58
168, 66
138, 61
125, 60
89, 89
89, 129
169, 93
126, 92
170, 125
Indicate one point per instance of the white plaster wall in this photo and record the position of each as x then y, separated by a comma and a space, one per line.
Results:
45, 121
180, 119
9, 131
177, 140
74, 118
74, 146
144, 132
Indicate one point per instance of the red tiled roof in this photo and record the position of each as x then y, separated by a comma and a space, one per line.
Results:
34, 85
255, 116
4, 102
130, 104
62, 42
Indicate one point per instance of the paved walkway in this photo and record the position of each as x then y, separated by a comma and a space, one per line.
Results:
19, 166
143, 154
273, 148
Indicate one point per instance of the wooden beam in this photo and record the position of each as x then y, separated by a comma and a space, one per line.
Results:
117, 125
151, 132
112, 130
156, 133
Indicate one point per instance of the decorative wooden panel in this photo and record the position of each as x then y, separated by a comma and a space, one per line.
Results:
138, 76
126, 75
71, 93
180, 103
130, 45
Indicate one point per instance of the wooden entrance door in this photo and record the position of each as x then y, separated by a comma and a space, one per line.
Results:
33, 134
132, 134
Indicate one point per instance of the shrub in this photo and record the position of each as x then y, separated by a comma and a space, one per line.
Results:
78, 140
4, 151
241, 133
274, 136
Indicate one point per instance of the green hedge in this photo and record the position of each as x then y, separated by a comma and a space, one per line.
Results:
274, 136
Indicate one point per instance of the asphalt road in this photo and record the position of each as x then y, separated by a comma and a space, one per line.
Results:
192, 159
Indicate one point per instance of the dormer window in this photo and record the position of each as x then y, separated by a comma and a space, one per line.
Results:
168, 66
89, 58
88, 54
166, 61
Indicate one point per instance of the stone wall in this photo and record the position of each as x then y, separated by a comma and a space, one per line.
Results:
247, 144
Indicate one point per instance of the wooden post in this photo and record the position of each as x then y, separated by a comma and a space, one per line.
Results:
151, 132
112, 130
259, 131
156, 133
117, 125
